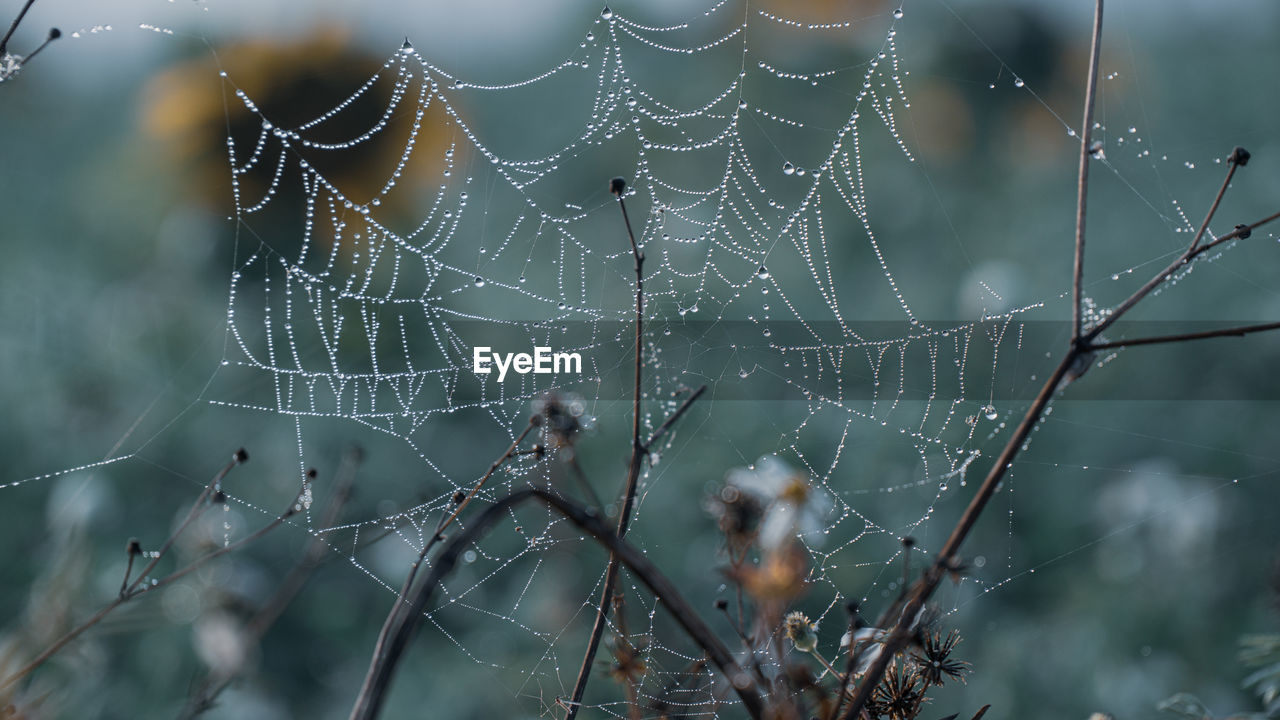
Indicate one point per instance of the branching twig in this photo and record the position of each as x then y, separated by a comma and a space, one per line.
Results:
395, 617
266, 616
140, 588
1240, 331
384, 663
1240, 231
1077, 354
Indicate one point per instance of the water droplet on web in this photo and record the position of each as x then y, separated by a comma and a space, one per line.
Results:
762, 273
897, 14
479, 281
990, 412
1017, 82
522, 278
788, 168
606, 13
742, 104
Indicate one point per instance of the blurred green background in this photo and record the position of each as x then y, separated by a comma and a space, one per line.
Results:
1129, 548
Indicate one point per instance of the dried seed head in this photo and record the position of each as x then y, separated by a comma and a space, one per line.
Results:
133, 547
242, 455
219, 497
311, 473
458, 497
617, 186
801, 631
908, 542
54, 33
1239, 156
1243, 231
722, 604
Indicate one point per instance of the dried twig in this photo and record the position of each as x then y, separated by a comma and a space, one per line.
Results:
1082, 182
395, 618
384, 663
140, 586
266, 616
618, 187
1077, 356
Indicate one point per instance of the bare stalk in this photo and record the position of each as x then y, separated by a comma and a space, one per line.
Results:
139, 588
266, 616
947, 560
383, 664
1082, 177
1240, 231
4, 43
1240, 331
395, 617
618, 187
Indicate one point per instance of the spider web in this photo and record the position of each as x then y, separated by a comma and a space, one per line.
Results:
372, 320
766, 278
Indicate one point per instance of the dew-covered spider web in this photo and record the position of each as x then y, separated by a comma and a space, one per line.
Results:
765, 178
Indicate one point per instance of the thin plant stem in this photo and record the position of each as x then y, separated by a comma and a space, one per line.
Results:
1082, 177
1191, 253
394, 617
618, 187
198, 507
384, 663
266, 616
1213, 208
1240, 331
4, 43
97, 617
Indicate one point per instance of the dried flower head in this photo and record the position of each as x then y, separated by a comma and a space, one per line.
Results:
934, 662
802, 632
899, 694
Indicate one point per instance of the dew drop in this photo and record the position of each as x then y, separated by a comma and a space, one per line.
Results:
788, 169
897, 14
606, 13
762, 273
479, 281
1017, 82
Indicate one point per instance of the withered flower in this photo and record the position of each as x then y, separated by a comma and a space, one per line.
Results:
934, 663
801, 631
899, 694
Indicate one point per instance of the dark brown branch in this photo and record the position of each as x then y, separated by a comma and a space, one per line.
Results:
1082, 177
618, 187
384, 663
932, 577
1240, 331
395, 616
